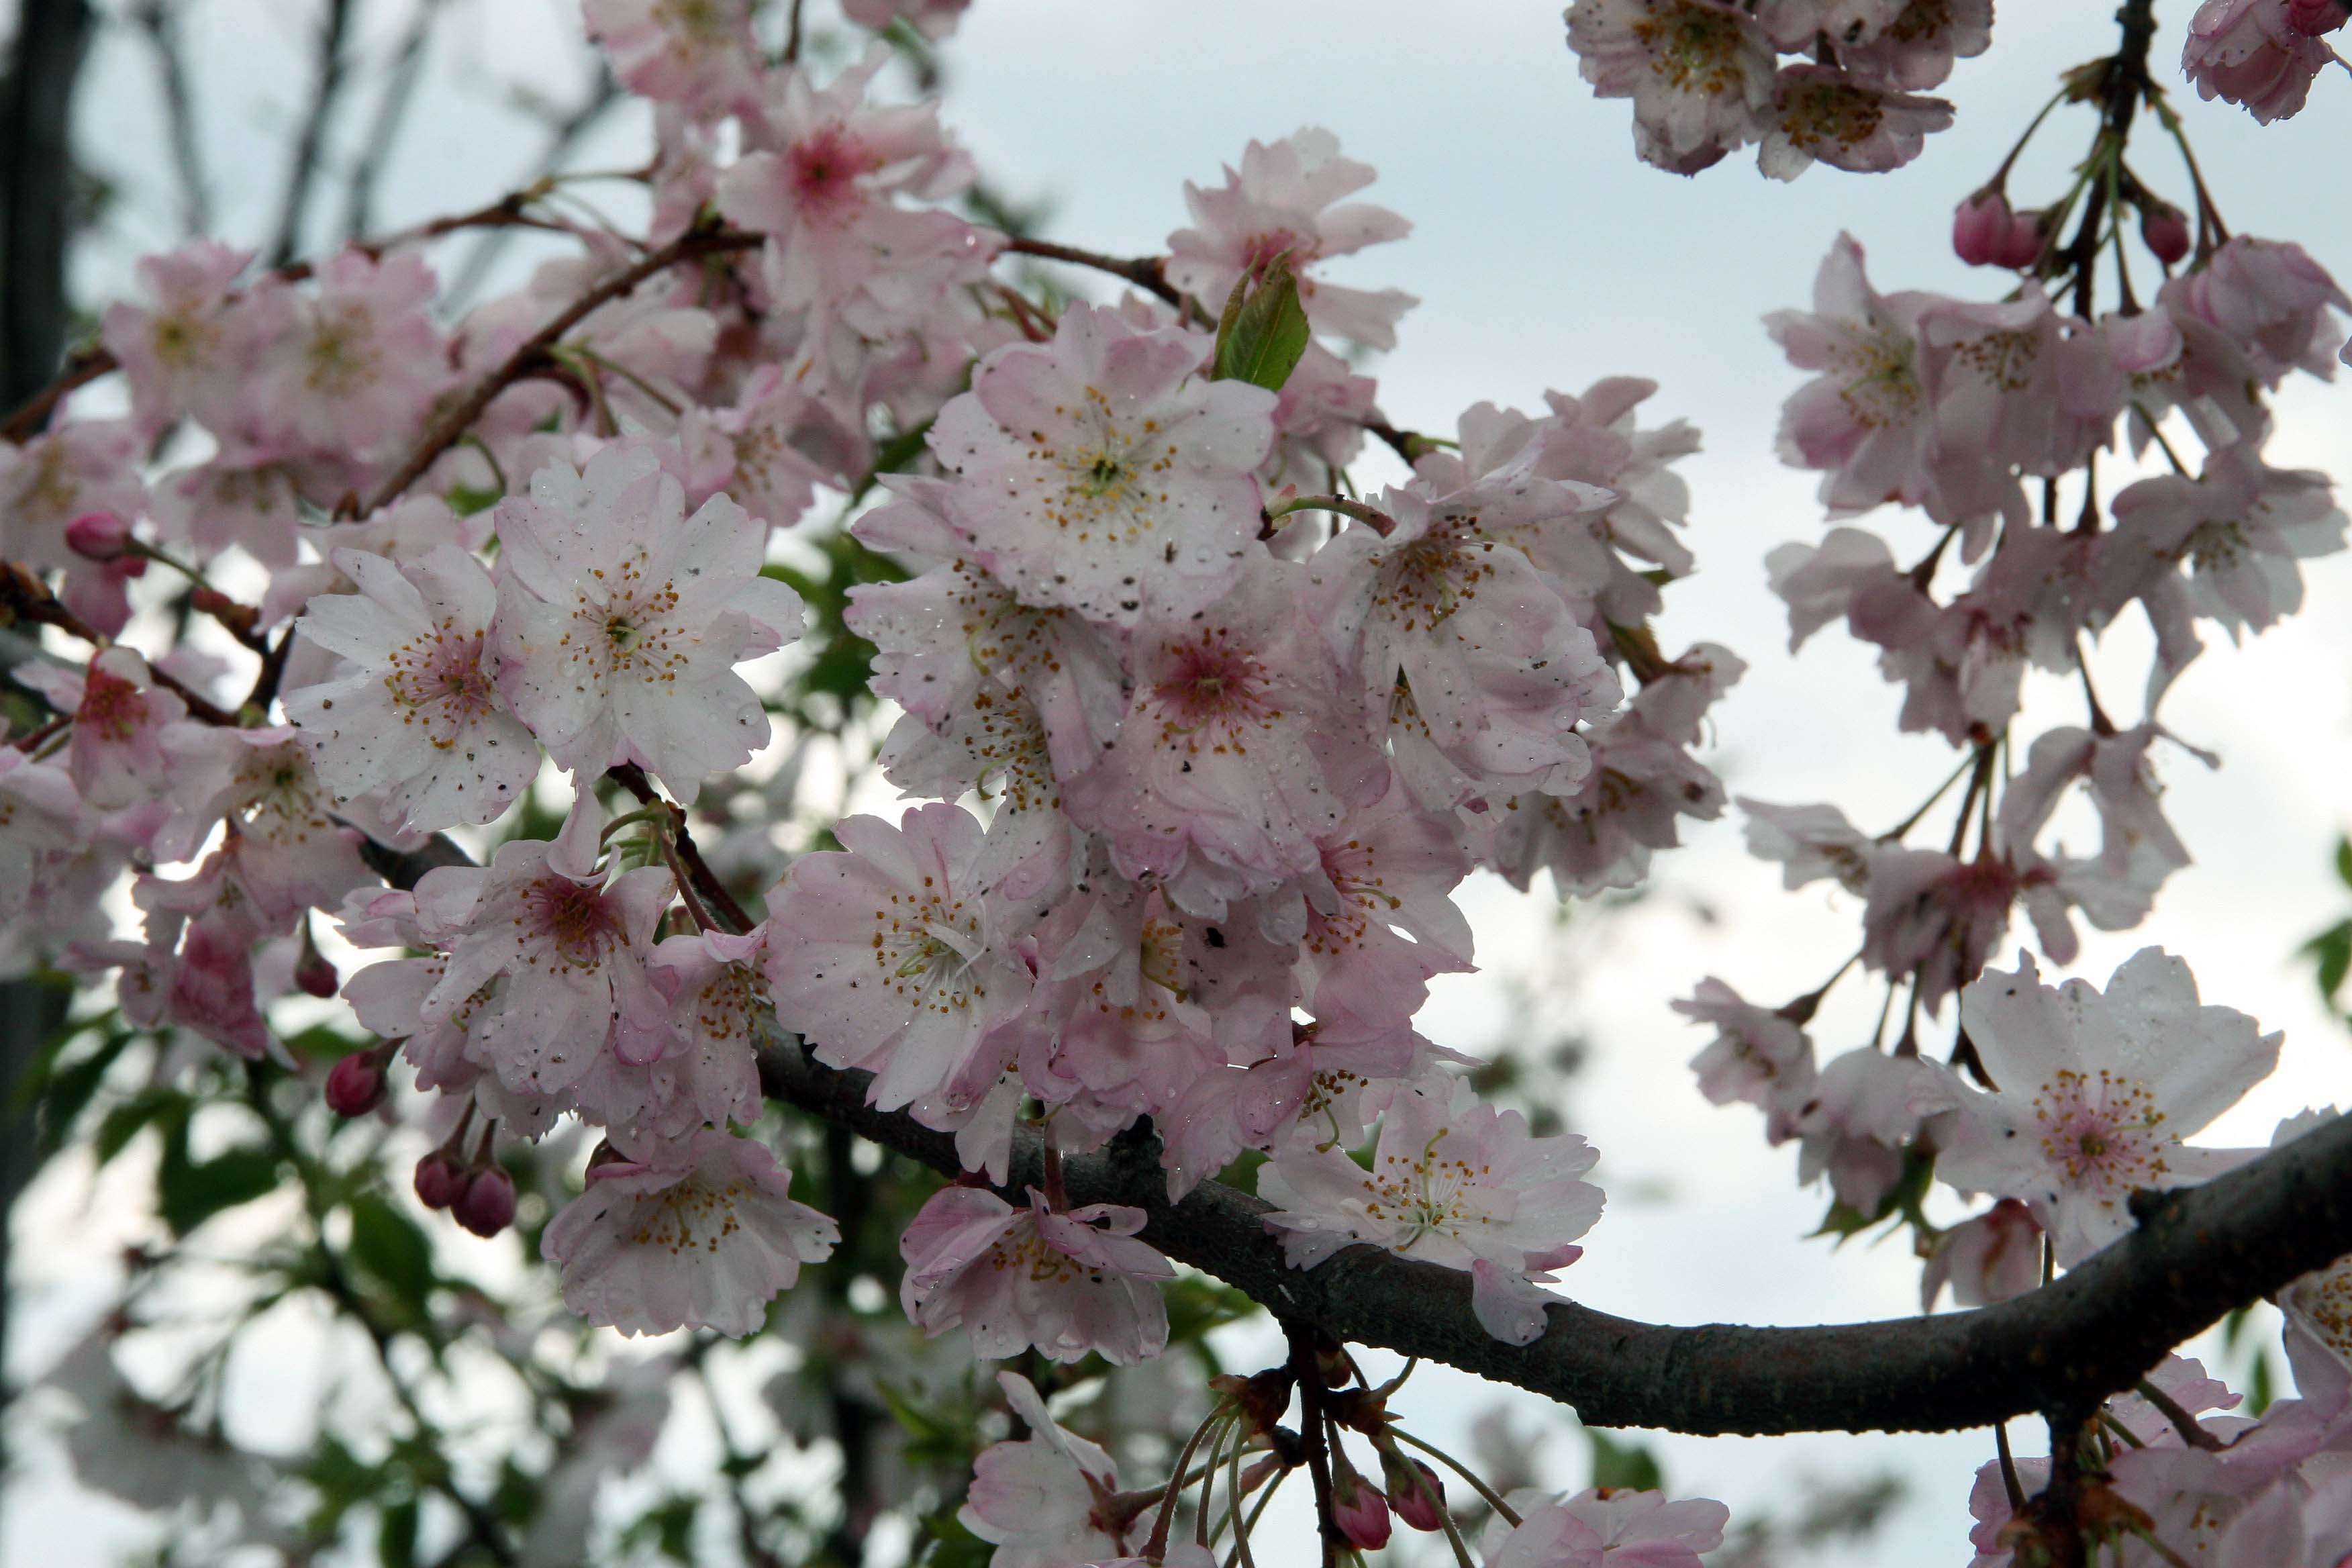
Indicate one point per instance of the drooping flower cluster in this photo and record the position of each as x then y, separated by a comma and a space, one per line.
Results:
1706, 76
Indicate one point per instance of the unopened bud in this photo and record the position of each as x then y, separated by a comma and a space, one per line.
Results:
1980, 228
441, 1179
316, 976
487, 1206
1358, 1509
1415, 1490
2165, 232
2022, 247
355, 1085
97, 536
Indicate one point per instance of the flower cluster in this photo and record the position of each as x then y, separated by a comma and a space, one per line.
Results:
1708, 76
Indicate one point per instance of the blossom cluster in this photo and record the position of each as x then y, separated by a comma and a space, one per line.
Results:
1831, 81
1207, 746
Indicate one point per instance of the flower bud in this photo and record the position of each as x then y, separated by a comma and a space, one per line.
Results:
97, 536
1979, 227
487, 1206
441, 1179
1414, 1491
2020, 247
355, 1084
2164, 231
316, 976
1357, 1507
2313, 17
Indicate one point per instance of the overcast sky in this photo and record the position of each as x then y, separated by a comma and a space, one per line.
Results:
1546, 257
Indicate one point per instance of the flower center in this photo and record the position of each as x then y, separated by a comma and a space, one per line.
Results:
2102, 1130
573, 919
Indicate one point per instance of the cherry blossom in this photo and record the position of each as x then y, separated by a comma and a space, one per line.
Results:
888, 955
702, 1236
115, 753
415, 713
2097, 1089
1453, 1182
1237, 751
1099, 472
1600, 1529
1065, 1284
1285, 200
568, 936
620, 619
185, 349
1826, 113
1040, 1502
2254, 53
697, 53
1699, 73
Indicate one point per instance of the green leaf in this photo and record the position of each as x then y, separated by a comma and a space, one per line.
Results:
396, 1534
953, 1546
188, 1193
70, 1089
1263, 334
2263, 1389
1624, 1465
392, 1249
119, 1126
466, 501
2331, 950
2343, 861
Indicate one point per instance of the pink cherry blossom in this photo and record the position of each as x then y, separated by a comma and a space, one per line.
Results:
291, 851
1810, 843
1843, 119
702, 1236
1453, 1182
115, 751
1099, 472
413, 712
1238, 751
1915, 48
1865, 1108
935, 19
888, 955
1759, 1056
349, 366
1699, 73
2239, 528
84, 465
2252, 53
1287, 200
697, 53
183, 352
1596, 1528
1040, 1503
1993, 1258
2271, 300
568, 935
1065, 1284
620, 620
2096, 1091
1501, 671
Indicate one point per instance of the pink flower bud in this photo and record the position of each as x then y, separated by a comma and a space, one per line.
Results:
316, 976
97, 536
2165, 232
441, 1179
2313, 17
1358, 1509
1414, 1491
1979, 227
2020, 247
355, 1085
487, 1206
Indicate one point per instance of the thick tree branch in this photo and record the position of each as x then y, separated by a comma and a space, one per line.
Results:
2093, 1333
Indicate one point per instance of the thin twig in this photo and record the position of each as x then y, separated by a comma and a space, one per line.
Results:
326, 87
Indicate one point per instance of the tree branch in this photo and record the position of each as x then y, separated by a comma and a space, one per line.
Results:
400, 81
160, 20
451, 426
2093, 1333
325, 85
